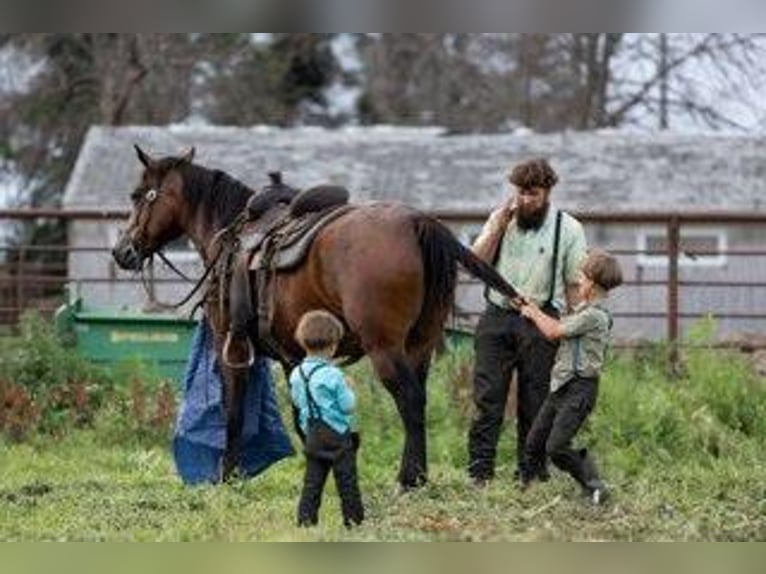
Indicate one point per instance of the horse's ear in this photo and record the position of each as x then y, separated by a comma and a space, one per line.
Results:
188, 156
143, 157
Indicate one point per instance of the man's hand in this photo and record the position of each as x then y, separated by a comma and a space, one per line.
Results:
487, 243
503, 214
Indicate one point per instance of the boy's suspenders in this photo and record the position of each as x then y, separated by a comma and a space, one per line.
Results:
314, 411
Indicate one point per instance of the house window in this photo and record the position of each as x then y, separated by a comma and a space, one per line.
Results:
699, 247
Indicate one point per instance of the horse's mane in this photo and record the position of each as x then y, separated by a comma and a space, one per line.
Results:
220, 195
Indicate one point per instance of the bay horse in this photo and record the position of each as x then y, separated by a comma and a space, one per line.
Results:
387, 270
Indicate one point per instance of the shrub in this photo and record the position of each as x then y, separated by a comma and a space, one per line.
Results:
18, 414
48, 388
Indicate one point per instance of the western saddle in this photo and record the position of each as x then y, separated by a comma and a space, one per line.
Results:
274, 233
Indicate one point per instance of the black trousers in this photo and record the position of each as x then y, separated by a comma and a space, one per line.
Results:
505, 342
346, 482
560, 418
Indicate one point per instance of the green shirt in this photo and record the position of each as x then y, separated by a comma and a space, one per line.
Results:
586, 337
526, 258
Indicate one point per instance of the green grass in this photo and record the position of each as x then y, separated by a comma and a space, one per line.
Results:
686, 460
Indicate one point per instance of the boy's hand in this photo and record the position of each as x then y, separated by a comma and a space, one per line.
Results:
529, 310
518, 302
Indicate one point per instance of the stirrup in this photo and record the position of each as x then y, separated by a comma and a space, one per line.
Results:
250, 354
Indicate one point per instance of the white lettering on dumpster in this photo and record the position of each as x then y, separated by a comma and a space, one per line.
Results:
139, 337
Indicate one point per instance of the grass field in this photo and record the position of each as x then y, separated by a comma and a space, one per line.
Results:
686, 460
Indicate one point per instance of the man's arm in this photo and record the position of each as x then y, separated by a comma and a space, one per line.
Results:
487, 243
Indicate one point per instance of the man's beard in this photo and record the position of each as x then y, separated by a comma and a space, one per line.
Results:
531, 221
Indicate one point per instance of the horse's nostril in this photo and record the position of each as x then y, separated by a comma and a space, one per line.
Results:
127, 257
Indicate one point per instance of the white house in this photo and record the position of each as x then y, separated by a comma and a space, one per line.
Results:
599, 172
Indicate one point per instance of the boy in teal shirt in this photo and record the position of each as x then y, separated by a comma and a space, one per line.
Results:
325, 405
584, 336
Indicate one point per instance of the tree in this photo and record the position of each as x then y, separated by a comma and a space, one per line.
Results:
108, 79
706, 80
281, 82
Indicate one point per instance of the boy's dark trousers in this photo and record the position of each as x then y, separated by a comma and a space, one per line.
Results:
505, 341
557, 423
346, 482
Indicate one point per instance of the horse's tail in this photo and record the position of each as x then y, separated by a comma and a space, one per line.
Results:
441, 252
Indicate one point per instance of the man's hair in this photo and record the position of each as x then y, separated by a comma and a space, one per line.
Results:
318, 330
603, 269
533, 173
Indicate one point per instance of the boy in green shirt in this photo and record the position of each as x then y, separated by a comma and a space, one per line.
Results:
584, 337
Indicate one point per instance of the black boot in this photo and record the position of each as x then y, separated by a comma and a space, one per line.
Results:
593, 487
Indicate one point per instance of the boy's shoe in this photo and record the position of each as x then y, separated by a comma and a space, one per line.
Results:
598, 496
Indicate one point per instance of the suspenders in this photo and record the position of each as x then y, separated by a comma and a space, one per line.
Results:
556, 241
556, 236
314, 412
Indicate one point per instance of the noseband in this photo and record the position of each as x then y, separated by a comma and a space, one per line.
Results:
142, 217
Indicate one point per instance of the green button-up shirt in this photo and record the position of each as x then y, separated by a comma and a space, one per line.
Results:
587, 332
526, 258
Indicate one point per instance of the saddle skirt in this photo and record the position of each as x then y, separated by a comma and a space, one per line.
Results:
284, 241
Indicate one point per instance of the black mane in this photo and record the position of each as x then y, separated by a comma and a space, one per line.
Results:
219, 194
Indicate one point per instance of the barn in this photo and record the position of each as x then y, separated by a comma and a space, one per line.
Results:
721, 270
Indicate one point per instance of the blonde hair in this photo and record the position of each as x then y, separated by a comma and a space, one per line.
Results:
603, 269
318, 330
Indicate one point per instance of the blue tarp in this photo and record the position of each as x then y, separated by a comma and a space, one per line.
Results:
200, 436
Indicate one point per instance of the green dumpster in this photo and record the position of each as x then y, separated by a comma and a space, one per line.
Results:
109, 336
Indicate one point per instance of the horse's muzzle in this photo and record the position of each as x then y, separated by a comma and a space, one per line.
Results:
127, 255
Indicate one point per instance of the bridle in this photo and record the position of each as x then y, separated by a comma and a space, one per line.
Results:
142, 219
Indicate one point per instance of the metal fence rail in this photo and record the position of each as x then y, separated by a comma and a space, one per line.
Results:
27, 282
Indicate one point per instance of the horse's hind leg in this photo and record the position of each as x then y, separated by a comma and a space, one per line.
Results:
399, 379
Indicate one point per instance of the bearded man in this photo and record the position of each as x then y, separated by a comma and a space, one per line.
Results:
539, 250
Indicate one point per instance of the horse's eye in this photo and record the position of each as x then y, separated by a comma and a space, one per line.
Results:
136, 196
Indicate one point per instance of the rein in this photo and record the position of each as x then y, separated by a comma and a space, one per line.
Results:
169, 263
187, 298
217, 238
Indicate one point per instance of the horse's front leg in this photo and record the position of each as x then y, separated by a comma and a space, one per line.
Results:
233, 383
234, 386
409, 395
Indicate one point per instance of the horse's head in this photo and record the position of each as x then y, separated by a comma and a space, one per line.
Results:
158, 212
